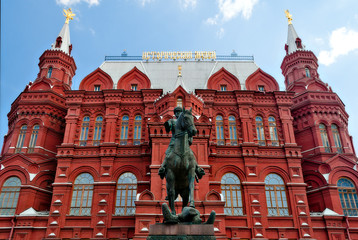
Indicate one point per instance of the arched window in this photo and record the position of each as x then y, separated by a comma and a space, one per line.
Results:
137, 129
324, 137
49, 72
273, 131
336, 138
232, 130
84, 131
276, 195
179, 102
124, 130
231, 190
97, 131
348, 196
260, 131
82, 195
9, 196
33, 138
220, 130
308, 74
126, 194
21, 138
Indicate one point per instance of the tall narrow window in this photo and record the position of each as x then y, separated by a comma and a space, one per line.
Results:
84, 131
220, 130
21, 138
273, 131
260, 131
33, 138
179, 102
276, 196
82, 195
97, 88
9, 196
49, 72
231, 190
124, 130
308, 74
232, 130
336, 138
134, 87
137, 129
97, 131
126, 194
324, 137
348, 196
223, 87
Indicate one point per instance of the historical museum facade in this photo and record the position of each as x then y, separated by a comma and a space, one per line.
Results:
83, 164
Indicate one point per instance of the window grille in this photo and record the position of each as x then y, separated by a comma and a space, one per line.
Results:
348, 197
21, 138
336, 138
276, 195
97, 131
231, 190
82, 195
124, 130
137, 129
126, 194
33, 138
324, 137
260, 131
9, 196
84, 131
220, 130
232, 130
273, 131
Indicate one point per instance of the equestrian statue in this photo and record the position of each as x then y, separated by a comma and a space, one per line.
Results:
180, 168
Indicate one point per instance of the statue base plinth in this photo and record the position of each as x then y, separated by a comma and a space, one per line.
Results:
182, 231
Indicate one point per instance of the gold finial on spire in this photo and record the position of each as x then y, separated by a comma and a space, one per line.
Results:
289, 17
68, 14
179, 69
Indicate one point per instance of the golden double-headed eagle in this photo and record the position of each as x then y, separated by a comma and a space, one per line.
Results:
289, 17
68, 14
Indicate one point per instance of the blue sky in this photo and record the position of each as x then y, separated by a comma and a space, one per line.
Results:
251, 27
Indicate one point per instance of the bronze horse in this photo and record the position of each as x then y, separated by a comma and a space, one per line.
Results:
180, 171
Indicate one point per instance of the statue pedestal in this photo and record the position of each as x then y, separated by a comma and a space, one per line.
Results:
182, 231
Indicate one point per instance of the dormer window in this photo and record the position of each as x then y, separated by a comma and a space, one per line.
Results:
223, 87
179, 102
308, 74
97, 88
261, 88
134, 87
58, 42
49, 72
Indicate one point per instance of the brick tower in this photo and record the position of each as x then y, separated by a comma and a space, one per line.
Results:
321, 128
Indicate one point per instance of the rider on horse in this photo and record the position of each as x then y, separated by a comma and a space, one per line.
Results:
170, 127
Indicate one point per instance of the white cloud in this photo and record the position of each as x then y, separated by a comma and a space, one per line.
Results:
228, 9
342, 41
188, 3
319, 41
220, 33
92, 31
213, 21
68, 3
144, 2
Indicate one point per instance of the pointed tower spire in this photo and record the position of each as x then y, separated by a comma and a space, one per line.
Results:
63, 42
299, 66
180, 81
294, 43
57, 66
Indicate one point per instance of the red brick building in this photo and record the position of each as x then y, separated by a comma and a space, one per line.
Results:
83, 164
